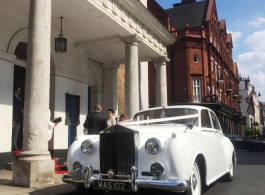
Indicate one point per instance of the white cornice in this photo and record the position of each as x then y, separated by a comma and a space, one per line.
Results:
142, 13
160, 60
137, 20
75, 77
99, 41
7, 57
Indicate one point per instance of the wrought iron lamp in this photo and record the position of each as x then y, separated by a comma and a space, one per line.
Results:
61, 42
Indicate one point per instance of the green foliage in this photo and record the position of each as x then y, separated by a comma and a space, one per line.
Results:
250, 133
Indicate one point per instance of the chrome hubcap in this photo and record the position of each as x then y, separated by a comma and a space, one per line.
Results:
194, 182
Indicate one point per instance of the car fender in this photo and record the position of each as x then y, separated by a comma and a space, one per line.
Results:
75, 153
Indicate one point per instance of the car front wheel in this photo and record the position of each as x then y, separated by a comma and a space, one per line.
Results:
195, 180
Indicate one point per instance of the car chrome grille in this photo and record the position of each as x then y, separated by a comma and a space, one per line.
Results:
117, 152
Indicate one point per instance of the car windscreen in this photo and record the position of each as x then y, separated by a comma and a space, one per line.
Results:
166, 113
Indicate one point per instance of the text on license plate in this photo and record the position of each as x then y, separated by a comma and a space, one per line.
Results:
112, 185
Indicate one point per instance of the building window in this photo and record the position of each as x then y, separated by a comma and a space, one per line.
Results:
197, 90
196, 58
215, 69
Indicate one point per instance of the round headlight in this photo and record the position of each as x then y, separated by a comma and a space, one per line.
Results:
78, 166
87, 147
157, 169
153, 146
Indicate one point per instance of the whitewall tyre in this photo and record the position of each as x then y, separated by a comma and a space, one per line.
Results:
195, 180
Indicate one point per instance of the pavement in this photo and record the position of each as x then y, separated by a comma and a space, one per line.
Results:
58, 188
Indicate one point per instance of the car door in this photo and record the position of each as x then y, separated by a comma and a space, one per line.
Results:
214, 151
219, 137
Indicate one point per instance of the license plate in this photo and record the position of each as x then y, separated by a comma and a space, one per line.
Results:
112, 185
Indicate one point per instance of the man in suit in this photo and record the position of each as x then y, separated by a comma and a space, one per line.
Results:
96, 121
17, 116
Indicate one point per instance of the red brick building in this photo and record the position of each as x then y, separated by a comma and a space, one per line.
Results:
201, 68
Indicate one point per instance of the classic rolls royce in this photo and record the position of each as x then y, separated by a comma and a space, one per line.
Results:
173, 148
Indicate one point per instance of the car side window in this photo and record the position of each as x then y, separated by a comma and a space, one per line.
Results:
215, 121
205, 119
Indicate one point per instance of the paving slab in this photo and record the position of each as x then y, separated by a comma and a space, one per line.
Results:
58, 188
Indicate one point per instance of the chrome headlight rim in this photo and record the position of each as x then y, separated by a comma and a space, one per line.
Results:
162, 166
158, 143
87, 147
78, 166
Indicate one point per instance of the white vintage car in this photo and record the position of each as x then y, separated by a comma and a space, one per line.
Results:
173, 148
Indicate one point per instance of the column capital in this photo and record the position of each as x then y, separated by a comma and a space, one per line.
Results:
134, 39
110, 66
161, 60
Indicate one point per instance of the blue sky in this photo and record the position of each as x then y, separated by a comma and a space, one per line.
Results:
245, 19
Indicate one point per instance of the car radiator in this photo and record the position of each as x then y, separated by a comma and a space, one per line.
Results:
117, 153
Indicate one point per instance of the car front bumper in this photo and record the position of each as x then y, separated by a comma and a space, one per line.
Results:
136, 183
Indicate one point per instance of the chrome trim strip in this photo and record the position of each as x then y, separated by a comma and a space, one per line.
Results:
133, 180
74, 179
89, 176
171, 185
128, 176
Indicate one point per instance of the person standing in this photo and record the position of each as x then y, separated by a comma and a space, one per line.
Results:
17, 116
96, 121
111, 120
122, 117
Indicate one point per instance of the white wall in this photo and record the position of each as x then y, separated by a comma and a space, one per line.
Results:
6, 104
62, 86
9, 25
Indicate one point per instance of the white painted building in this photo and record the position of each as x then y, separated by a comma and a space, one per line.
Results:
245, 90
101, 34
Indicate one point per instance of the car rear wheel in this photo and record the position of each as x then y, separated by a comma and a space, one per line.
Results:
195, 180
228, 177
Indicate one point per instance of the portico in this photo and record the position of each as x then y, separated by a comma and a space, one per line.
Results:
101, 35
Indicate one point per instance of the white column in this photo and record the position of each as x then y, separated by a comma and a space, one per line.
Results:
35, 167
110, 88
131, 76
143, 81
161, 81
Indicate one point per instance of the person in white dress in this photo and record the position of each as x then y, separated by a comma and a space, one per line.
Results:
51, 125
110, 119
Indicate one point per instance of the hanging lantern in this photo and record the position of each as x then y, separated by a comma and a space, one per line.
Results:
61, 42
